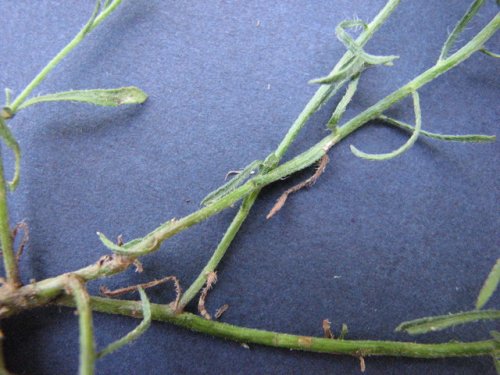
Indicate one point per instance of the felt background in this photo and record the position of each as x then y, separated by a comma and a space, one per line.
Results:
371, 244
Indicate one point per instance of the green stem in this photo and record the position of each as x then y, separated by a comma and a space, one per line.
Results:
320, 97
312, 155
82, 302
43, 291
221, 249
363, 348
324, 91
441, 67
9, 258
61, 55
442, 137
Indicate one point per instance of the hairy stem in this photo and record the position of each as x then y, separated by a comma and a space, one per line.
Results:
313, 154
81, 299
323, 92
43, 291
320, 97
358, 348
9, 258
221, 249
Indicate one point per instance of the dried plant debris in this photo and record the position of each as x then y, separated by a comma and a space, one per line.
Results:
211, 280
304, 184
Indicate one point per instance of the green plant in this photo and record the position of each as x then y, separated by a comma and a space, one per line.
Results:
247, 187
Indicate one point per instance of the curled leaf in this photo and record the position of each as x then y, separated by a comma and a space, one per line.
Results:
11, 142
100, 97
136, 332
355, 48
403, 148
117, 248
232, 184
360, 59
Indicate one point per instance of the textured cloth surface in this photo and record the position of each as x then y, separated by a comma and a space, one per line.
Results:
372, 244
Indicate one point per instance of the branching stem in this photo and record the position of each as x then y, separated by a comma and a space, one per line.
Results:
61, 55
320, 97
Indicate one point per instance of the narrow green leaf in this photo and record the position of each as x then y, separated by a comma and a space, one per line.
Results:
11, 142
232, 184
343, 331
101, 97
438, 323
489, 53
460, 26
478, 138
403, 148
138, 246
135, 333
355, 48
344, 102
489, 286
116, 248
108, 243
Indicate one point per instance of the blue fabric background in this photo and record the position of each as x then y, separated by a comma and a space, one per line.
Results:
371, 244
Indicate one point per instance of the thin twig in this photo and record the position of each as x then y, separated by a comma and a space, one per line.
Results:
211, 280
307, 183
362, 364
26, 237
221, 310
129, 289
230, 173
327, 332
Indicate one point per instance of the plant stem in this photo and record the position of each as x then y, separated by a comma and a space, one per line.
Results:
320, 97
221, 249
9, 258
61, 55
82, 302
358, 348
307, 158
41, 292
323, 91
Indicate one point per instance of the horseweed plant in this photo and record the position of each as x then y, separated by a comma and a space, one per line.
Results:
69, 289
